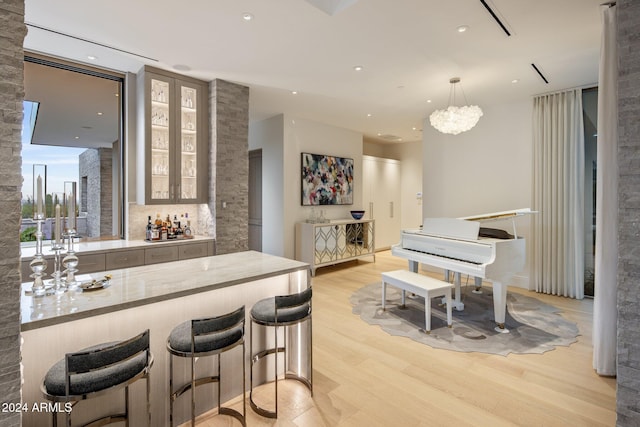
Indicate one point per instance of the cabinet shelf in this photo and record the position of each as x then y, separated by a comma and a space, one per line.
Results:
172, 138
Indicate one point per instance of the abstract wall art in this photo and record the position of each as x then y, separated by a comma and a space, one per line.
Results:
326, 180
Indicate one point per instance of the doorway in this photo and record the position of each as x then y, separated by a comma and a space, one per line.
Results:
255, 200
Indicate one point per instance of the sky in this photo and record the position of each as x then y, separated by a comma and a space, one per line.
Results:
62, 162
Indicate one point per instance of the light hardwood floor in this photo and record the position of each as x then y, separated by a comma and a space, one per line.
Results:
365, 377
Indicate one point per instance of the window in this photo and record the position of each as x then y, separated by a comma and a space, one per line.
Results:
73, 124
590, 115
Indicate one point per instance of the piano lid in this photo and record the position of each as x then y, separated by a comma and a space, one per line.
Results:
499, 215
467, 228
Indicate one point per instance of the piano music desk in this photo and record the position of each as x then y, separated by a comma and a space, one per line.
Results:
419, 284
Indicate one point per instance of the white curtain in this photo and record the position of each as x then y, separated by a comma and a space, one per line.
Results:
558, 194
606, 260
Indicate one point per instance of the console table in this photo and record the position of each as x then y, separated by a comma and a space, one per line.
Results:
322, 244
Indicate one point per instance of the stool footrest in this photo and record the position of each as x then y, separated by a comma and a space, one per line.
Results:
109, 419
266, 352
199, 381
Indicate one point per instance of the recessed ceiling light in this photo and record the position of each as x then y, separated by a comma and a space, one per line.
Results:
462, 28
358, 68
515, 81
116, 94
414, 128
368, 114
428, 101
294, 92
92, 57
100, 113
76, 137
247, 16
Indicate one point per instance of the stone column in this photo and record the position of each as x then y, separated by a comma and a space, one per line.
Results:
628, 363
95, 170
12, 33
229, 165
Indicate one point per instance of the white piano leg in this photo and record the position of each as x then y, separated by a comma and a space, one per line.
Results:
384, 296
457, 302
500, 306
413, 266
478, 284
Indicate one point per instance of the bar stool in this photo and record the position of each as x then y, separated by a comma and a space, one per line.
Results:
283, 310
206, 337
98, 370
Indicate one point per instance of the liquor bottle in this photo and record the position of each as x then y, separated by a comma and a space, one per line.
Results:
149, 233
163, 232
188, 234
158, 221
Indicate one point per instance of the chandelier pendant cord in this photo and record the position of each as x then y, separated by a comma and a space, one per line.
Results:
452, 95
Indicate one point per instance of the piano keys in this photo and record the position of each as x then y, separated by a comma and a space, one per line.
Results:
454, 244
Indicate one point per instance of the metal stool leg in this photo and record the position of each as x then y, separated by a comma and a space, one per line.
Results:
171, 399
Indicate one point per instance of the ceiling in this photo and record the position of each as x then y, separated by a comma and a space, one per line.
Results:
75, 109
409, 49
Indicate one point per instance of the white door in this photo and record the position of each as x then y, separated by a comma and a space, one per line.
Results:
382, 198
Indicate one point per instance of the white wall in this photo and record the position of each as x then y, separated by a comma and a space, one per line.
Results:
486, 169
282, 139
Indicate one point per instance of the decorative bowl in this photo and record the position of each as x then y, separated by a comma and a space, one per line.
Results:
357, 214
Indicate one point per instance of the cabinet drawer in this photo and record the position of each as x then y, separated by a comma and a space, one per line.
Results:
90, 263
164, 254
124, 259
193, 250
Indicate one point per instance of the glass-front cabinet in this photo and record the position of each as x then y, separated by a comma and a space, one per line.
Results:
174, 131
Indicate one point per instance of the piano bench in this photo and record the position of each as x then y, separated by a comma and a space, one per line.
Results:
425, 286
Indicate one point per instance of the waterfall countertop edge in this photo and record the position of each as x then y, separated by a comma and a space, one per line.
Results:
136, 286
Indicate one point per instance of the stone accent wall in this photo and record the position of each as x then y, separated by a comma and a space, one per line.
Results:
229, 165
628, 378
96, 165
12, 33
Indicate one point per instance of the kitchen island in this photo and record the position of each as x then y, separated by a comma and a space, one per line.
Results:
156, 297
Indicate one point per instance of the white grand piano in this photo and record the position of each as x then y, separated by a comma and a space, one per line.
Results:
462, 246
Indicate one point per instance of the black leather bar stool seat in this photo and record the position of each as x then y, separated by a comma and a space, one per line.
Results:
98, 370
207, 337
285, 311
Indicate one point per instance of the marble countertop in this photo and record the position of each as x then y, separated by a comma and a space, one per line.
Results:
27, 253
148, 284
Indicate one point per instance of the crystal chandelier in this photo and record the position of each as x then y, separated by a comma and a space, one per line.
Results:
455, 120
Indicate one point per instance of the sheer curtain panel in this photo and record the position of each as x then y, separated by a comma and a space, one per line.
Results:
606, 260
558, 194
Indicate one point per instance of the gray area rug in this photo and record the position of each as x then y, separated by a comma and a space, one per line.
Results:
535, 327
